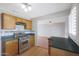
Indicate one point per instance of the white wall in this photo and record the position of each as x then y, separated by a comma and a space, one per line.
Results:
57, 16
48, 30
66, 28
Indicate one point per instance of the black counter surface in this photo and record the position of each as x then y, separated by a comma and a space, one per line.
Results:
64, 43
12, 37
6, 38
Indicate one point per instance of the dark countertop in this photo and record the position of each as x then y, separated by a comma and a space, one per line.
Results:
12, 37
6, 38
64, 43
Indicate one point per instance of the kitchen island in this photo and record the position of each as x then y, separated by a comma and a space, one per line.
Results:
63, 43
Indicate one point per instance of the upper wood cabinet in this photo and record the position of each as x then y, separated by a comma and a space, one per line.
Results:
27, 22
24, 21
29, 25
8, 21
18, 19
0, 21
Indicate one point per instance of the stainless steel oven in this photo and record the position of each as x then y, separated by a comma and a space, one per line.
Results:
23, 42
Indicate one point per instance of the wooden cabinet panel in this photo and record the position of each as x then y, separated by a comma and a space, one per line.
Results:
18, 19
27, 22
11, 47
60, 52
29, 25
8, 21
24, 21
0, 22
32, 41
57, 52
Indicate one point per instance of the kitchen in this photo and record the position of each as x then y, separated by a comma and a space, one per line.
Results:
10, 36
21, 35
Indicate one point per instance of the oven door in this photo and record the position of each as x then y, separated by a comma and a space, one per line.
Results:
23, 44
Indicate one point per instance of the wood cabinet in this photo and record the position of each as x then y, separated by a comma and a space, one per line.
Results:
57, 52
28, 24
11, 47
32, 41
61, 52
18, 19
8, 21
24, 21
0, 21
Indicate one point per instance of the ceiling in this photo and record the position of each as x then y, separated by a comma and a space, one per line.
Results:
38, 9
54, 20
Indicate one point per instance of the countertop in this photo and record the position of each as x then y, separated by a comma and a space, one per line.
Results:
13, 37
64, 43
6, 38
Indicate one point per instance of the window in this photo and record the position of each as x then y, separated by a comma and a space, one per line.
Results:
72, 21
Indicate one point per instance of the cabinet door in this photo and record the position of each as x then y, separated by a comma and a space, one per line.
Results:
11, 47
57, 52
18, 19
32, 41
8, 22
23, 21
29, 25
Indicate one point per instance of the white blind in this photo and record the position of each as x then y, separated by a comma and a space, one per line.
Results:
72, 21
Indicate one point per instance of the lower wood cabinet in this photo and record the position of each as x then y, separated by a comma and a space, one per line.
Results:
57, 52
60, 52
11, 47
32, 41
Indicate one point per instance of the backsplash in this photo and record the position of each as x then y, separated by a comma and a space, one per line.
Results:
11, 32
